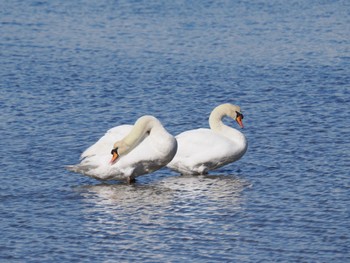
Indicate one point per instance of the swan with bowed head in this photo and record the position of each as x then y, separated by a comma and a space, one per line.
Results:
136, 149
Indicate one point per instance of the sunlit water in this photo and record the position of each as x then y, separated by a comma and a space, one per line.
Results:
70, 71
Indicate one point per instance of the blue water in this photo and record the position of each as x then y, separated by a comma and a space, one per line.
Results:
70, 70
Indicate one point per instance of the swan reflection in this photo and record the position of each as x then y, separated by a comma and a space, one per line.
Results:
125, 195
150, 213
167, 192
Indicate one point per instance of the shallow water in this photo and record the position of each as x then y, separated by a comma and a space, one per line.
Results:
70, 71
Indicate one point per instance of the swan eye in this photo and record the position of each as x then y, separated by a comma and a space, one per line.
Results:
238, 114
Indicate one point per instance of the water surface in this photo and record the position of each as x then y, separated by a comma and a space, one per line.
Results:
70, 71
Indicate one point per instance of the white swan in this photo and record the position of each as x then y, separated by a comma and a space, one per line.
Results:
202, 150
136, 150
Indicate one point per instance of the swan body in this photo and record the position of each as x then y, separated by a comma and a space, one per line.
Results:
202, 150
142, 148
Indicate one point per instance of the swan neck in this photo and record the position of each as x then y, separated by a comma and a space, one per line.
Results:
215, 118
216, 124
141, 129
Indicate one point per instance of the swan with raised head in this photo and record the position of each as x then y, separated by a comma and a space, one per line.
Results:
202, 150
136, 149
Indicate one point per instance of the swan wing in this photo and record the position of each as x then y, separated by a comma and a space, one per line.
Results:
95, 159
105, 144
151, 154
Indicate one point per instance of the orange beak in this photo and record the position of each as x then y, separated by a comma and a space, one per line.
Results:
114, 157
239, 121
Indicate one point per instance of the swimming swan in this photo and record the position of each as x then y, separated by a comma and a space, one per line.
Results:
202, 150
136, 150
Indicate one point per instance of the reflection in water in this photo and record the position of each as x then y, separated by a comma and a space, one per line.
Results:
174, 196
186, 214
223, 188
128, 196
171, 190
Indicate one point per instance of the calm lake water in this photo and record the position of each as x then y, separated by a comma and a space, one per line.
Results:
70, 70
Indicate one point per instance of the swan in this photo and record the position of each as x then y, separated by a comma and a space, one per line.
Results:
136, 149
202, 150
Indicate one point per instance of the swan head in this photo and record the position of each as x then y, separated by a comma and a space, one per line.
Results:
226, 109
119, 148
239, 117
115, 155
235, 113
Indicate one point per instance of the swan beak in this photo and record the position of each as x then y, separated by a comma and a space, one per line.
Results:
239, 121
114, 157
